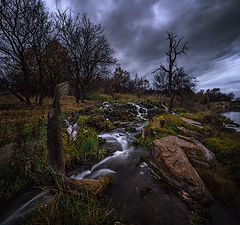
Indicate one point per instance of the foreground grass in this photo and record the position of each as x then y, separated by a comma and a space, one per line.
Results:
73, 208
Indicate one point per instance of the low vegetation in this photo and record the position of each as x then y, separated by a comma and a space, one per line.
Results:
223, 181
27, 129
68, 207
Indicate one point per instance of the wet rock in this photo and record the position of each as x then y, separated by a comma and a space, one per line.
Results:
191, 133
169, 158
138, 135
100, 123
197, 153
117, 124
142, 110
131, 129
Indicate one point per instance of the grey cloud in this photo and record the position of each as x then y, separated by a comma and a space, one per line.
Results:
137, 30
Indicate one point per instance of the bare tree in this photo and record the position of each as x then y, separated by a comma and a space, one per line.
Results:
41, 36
141, 85
122, 81
181, 83
88, 48
176, 48
56, 64
15, 33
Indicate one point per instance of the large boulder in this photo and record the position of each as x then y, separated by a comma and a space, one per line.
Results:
169, 158
196, 152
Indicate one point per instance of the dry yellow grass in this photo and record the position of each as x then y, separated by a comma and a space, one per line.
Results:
15, 115
13, 111
219, 185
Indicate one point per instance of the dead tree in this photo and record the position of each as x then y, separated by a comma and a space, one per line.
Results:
176, 48
54, 131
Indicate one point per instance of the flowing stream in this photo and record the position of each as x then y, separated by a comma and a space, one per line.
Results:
136, 194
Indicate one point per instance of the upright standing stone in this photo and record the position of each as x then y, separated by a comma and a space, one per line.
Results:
54, 130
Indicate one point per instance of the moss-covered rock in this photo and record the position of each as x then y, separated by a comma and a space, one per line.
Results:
100, 123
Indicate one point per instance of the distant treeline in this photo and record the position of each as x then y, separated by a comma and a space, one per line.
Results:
39, 50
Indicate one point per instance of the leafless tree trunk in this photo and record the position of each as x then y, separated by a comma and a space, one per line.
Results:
41, 37
175, 49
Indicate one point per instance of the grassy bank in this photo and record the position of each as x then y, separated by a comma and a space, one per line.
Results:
222, 181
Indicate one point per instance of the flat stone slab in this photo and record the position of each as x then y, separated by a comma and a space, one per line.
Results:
191, 133
192, 122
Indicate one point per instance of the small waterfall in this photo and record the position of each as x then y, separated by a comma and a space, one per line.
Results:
119, 136
71, 128
139, 114
102, 172
164, 106
116, 137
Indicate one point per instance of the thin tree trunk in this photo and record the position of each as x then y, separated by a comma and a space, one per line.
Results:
170, 108
36, 99
40, 83
77, 97
27, 101
26, 78
82, 94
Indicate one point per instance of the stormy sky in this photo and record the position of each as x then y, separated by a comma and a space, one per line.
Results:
136, 29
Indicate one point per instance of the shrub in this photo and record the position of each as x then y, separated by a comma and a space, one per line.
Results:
99, 97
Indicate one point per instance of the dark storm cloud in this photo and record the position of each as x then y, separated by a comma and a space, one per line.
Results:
137, 31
